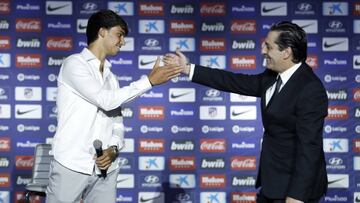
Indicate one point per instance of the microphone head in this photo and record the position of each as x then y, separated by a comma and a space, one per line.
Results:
97, 144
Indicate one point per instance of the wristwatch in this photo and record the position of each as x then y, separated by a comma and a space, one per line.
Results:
115, 148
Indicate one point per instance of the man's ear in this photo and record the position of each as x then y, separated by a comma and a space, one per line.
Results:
287, 53
102, 32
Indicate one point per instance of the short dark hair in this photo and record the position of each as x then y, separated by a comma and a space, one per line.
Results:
293, 36
103, 19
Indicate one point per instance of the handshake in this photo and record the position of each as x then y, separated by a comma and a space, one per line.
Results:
174, 65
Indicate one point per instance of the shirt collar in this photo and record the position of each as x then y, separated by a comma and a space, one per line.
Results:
91, 58
285, 76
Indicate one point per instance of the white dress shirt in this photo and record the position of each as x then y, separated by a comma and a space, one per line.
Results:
84, 100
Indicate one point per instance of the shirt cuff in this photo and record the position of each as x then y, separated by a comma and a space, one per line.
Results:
144, 82
192, 69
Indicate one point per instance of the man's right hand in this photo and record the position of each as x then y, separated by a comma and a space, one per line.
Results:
177, 59
161, 74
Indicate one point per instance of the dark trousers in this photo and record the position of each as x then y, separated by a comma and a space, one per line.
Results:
260, 198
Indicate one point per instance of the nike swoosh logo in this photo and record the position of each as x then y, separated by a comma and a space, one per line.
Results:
122, 180
326, 45
174, 96
81, 27
305, 26
18, 112
357, 63
334, 181
56, 8
266, 10
236, 114
143, 63
142, 199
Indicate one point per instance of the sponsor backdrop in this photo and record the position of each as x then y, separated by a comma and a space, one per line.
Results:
184, 142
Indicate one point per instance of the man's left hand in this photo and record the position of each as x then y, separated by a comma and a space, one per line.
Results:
104, 161
292, 200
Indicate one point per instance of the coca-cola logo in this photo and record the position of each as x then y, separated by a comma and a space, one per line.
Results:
243, 163
356, 94
212, 9
28, 25
213, 145
59, 43
243, 26
24, 162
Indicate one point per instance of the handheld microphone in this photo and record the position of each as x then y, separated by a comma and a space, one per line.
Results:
99, 152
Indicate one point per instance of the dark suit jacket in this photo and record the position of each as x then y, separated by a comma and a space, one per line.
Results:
292, 159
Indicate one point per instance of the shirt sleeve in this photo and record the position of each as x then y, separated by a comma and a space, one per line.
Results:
77, 75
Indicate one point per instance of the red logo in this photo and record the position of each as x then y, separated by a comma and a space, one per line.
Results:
338, 112
243, 62
4, 42
212, 181
28, 60
243, 26
212, 9
5, 144
4, 6
356, 145
151, 9
24, 162
151, 145
356, 93
151, 113
312, 61
4, 180
182, 26
212, 145
243, 197
182, 163
356, 11
20, 198
28, 25
243, 163
59, 43
212, 44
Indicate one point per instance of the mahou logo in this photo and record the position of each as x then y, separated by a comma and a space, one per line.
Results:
356, 92
212, 181
243, 26
356, 145
212, 44
4, 180
24, 162
28, 25
312, 61
151, 9
20, 198
243, 62
4, 42
212, 145
243, 197
212, 9
182, 163
5, 144
243, 163
338, 112
59, 43
356, 11
151, 113
151, 145
28, 60
182, 26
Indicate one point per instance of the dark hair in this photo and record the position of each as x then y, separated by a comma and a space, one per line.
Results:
103, 19
293, 36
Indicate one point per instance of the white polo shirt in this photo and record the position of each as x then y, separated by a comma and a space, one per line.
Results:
86, 101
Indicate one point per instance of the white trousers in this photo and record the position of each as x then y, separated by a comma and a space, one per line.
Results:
68, 186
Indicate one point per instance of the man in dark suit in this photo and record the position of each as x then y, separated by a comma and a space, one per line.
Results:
293, 106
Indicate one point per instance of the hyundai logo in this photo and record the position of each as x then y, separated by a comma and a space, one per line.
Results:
89, 6
212, 93
151, 42
151, 179
335, 161
304, 7
182, 197
335, 24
